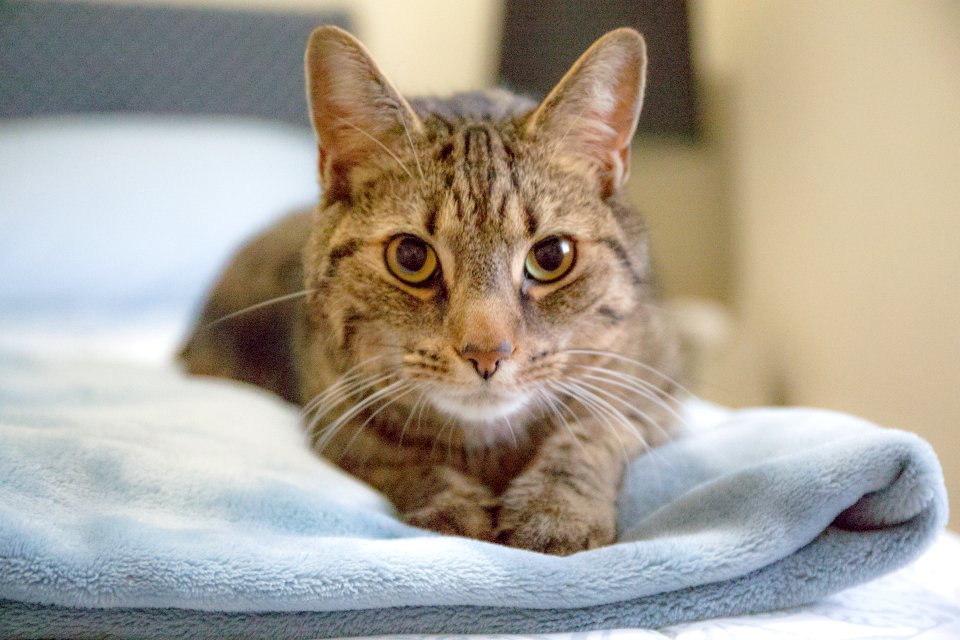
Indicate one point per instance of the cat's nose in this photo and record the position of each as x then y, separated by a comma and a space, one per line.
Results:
485, 360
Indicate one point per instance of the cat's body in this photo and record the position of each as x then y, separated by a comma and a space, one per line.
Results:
476, 336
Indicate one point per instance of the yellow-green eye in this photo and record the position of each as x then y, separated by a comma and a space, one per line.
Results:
410, 259
551, 259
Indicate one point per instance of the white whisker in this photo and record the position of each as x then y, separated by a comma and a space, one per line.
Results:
637, 363
403, 391
550, 400
339, 396
348, 376
331, 429
647, 418
594, 409
413, 410
513, 434
382, 146
413, 149
641, 387
254, 307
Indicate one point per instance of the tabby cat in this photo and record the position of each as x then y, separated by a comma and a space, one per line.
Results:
466, 318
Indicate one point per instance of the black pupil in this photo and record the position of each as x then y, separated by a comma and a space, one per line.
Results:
411, 254
550, 254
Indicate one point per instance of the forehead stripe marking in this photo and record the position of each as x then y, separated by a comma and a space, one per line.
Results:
431, 222
531, 218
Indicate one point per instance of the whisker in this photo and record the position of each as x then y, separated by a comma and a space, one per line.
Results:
254, 307
596, 410
633, 381
390, 401
331, 429
413, 409
622, 418
413, 149
648, 392
436, 437
338, 396
643, 414
347, 376
643, 365
513, 434
382, 146
622, 446
550, 399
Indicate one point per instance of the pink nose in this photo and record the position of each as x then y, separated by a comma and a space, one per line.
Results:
486, 361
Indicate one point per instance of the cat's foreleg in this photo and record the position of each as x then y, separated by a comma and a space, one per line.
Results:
437, 497
564, 501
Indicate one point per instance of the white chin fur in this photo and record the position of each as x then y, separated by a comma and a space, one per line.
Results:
477, 410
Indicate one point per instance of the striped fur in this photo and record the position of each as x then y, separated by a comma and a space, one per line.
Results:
533, 455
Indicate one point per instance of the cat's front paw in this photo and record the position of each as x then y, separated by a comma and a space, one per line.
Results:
556, 520
457, 515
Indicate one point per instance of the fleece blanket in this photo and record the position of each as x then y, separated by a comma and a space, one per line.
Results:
138, 503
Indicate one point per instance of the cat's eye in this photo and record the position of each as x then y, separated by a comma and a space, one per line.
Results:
410, 259
551, 259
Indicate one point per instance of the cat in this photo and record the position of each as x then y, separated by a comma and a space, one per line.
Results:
467, 317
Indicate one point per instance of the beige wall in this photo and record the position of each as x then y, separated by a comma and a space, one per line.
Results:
843, 134
424, 46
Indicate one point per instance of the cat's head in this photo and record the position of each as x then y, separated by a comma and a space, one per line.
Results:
465, 248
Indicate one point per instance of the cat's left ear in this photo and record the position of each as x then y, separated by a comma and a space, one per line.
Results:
590, 116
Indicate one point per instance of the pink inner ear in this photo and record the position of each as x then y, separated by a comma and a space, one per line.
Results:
355, 110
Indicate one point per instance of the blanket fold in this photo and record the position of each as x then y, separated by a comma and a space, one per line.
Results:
139, 503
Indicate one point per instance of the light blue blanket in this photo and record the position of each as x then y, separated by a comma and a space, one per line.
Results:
138, 503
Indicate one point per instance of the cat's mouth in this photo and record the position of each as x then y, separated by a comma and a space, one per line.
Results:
480, 406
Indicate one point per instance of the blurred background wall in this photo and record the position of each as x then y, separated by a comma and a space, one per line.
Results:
839, 126
813, 228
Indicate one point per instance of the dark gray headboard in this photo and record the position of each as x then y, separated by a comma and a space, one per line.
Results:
71, 57
542, 38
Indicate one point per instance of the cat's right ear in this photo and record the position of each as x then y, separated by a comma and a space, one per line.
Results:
589, 118
358, 115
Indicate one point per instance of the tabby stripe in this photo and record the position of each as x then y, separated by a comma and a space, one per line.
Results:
569, 480
466, 144
445, 152
488, 139
458, 204
529, 215
350, 328
514, 179
531, 218
444, 122
508, 149
610, 314
340, 252
502, 207
431, 223
621, 254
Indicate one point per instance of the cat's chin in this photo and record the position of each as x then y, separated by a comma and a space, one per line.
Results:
479, 408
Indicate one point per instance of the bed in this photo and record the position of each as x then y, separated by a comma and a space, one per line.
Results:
104, 260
